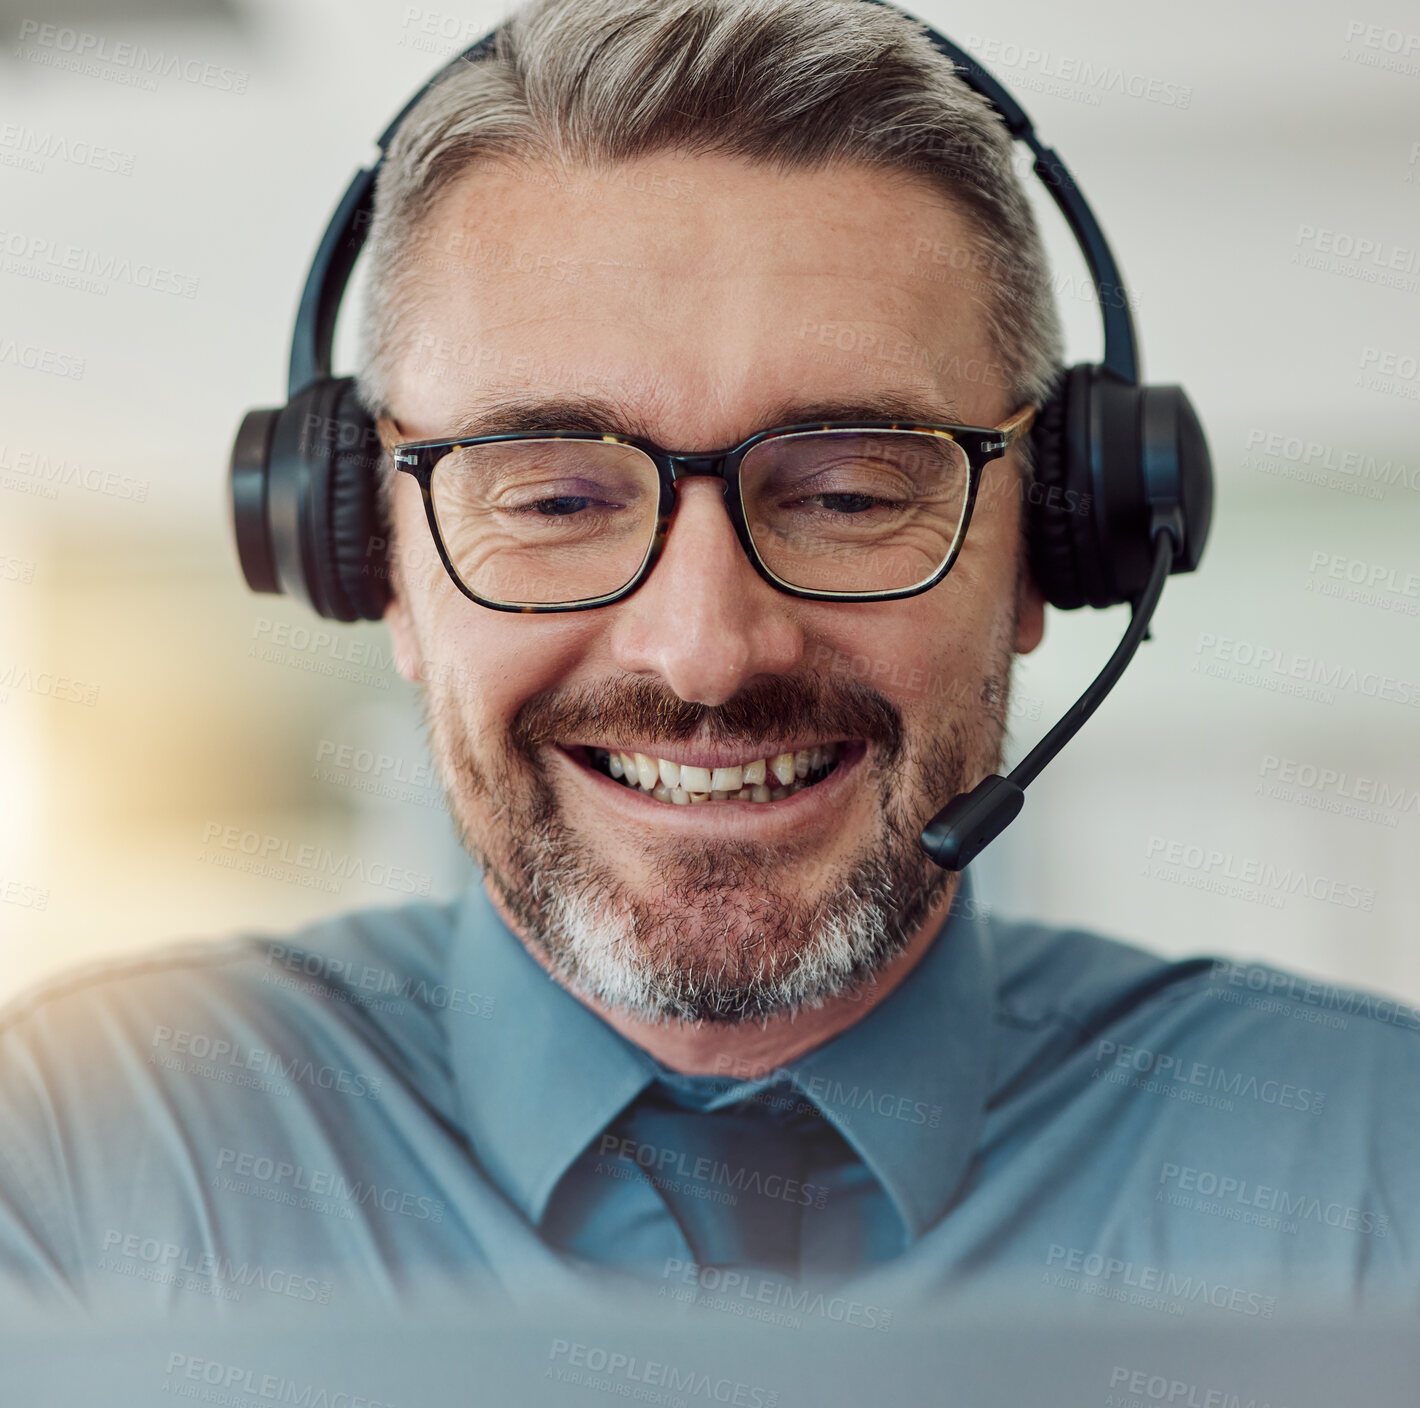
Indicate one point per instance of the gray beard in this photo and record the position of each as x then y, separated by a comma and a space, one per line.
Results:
714, 940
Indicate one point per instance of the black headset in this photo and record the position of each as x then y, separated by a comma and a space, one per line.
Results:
1122, 494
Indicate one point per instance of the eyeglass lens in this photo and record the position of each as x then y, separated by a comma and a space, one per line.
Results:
555, 522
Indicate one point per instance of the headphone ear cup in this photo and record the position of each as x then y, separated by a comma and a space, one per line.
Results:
1054, 501
356, 557
1177, 466
1109, 455
248, 481
305, 501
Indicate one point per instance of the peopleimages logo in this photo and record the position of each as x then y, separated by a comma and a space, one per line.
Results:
227, 1060
44, 684
1165, 1069
237, 1383
90, 270
22, 895
31, 149
279, 1180
1243, 1200
1144, 1388
170, 1263
1269, 985
333, 976
1368, 256
757, 1296
1307, 676
1394, 50
335, 654
136, 65
613, 1371
1378, 584
1172, 1288
670, 1164
1201, 867
305, 862
1337, 791
34, 358
33, 471
1086, 75
1307, 460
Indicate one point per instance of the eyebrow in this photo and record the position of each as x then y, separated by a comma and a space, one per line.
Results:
518, 414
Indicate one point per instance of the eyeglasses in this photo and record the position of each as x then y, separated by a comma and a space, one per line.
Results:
566, 520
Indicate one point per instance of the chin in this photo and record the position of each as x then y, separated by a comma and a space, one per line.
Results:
717, 939
729, 909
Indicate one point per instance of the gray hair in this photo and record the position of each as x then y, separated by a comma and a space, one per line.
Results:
792, 83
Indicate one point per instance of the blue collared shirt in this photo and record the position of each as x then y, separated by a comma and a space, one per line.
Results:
400, 1098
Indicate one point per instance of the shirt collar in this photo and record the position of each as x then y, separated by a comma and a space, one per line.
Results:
541, 1077
906, 1086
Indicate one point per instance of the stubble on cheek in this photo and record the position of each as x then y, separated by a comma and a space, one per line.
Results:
721, 930
489, 801
731, 912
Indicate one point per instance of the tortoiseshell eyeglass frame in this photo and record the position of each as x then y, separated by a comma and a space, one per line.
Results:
981, 445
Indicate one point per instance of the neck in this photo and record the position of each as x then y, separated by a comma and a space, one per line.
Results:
751, 1049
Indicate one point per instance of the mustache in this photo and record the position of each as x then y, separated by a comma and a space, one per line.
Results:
646, 710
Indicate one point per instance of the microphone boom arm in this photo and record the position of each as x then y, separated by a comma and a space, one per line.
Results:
970, 822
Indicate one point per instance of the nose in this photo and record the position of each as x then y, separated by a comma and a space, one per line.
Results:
704, 620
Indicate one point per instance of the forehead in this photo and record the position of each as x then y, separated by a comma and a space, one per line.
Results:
697, 293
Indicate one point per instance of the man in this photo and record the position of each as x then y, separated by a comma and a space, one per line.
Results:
711, 1018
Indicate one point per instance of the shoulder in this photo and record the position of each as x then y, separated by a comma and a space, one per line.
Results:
345, 996
321, 964
123, 1082
1204, 1020
1082, 980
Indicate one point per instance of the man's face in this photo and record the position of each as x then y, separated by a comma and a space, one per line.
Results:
703, 299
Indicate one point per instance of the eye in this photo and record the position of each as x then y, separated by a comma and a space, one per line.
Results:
845, 503
562, 507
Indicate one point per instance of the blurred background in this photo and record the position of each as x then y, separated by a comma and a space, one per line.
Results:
1251, 788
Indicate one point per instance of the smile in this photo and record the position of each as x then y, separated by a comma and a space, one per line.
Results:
764, 779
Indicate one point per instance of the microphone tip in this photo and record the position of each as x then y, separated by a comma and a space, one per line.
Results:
971, 821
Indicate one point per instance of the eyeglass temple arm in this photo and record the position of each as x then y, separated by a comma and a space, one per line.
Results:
1012, 429
391, 440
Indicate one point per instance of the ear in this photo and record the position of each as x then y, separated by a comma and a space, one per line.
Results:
408, 653
1030, 611
408, 657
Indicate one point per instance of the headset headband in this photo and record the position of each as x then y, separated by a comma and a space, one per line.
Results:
313, 341
1122, 489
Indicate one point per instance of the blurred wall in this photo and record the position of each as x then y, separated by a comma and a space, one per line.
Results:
1258, 171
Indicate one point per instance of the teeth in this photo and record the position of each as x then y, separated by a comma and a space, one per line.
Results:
763, 780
